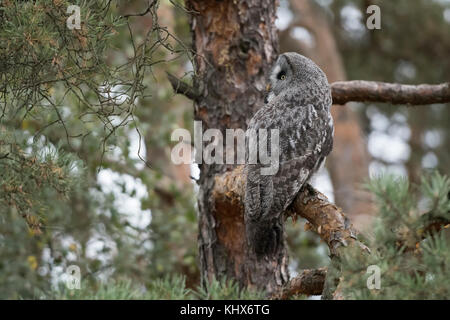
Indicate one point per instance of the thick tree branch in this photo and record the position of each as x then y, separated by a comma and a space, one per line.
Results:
364, 91
361, 91
325, 218
309, 282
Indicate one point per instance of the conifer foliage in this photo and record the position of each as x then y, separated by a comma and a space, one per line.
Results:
409, 242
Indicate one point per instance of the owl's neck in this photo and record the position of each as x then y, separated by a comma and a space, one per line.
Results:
302, 94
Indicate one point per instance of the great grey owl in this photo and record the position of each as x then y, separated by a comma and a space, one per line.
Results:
298, 105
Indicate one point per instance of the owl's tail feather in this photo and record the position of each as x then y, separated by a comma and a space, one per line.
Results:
264, 237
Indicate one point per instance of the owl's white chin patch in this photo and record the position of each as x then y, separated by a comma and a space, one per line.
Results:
270, 97
274, 73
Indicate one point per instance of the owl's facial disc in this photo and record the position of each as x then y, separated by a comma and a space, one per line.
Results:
279, 78
278, 73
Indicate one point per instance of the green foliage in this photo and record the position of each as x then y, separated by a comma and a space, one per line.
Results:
410, 242
226, 289
41, 55
29, 177
73, 105
167, 288
120, 290
34, 178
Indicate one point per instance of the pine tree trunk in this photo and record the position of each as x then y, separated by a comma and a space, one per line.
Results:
236, 44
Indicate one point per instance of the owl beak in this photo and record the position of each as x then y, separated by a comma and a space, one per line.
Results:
266, 96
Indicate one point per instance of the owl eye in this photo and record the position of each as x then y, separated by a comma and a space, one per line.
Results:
281, 75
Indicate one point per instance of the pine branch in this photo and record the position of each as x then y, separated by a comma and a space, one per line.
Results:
309, 282
365, 91
361, 91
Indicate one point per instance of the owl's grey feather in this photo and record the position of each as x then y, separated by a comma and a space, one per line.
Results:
298, 105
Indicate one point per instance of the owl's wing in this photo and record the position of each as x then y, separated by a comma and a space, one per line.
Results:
292, 175
304, 146
305, 138
258, 193
266, 198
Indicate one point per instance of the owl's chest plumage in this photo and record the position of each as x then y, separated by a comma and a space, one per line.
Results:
304, 126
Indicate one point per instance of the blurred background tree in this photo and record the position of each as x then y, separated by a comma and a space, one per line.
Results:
84, 112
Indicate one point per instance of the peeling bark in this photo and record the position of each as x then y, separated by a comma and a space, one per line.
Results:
325, 218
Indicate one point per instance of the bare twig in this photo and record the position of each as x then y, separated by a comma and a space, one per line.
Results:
149, 7
3, 156
181, 87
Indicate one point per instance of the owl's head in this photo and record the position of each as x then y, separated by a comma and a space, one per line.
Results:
294, 72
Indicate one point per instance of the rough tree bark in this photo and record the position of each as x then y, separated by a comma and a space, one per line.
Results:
236, 43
